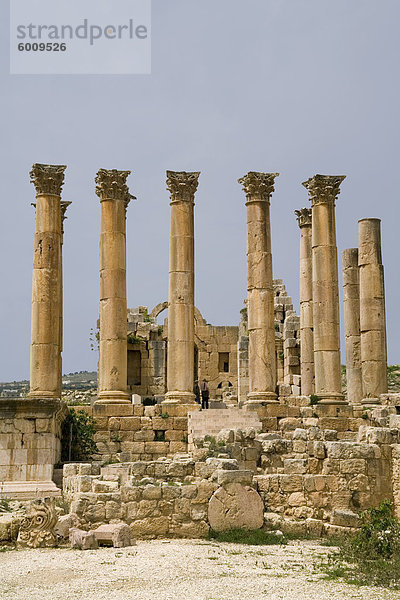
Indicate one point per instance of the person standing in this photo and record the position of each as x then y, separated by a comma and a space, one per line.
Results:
205, 393
196, 391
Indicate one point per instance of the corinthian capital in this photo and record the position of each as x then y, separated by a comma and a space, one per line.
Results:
258, 186
182, 185
303, 217
47, 179
111, 185
324, 189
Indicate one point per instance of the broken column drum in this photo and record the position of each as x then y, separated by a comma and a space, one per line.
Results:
372, 309
351, 305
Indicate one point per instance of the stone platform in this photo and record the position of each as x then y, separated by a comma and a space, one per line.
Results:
30, 445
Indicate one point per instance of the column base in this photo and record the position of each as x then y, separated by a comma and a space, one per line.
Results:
331, 398
107, 397
179, 398
257, 398
371, 402
44, 395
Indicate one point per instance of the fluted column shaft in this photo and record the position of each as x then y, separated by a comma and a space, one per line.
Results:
351, 304
306, 302
114, 198
46, 324
323, 190
372, 309
258, 188
180, 355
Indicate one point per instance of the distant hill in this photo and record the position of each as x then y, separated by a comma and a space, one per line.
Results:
80, 380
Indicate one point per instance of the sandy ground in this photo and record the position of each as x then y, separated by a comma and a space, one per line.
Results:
175, 570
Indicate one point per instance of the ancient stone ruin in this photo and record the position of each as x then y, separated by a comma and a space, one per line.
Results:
282, 445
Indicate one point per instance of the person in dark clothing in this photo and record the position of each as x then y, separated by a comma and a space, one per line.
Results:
196, 391
205, 393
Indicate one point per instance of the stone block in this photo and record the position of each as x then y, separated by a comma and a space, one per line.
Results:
180, 423
133, 447
336, 423
143, 435
295, 466
291, 483
289, 424
119, 535
344, 518
82, 540
43, 425
205, 490
353, 466
162, 424
101, 487
160, 448
150, 527
296, 499
151, 492
176, 447
235, 506
239, 476
174, 435
129, 423
114, 424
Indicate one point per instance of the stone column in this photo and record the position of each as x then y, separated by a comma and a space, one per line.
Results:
351, 304
323, 190
46, 282
180, 352
258, 188
372, 309
306, 303
114, 197
64, 206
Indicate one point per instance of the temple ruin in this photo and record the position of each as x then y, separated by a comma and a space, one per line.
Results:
281, 437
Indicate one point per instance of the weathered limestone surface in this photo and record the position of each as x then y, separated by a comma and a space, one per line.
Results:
323, 190
30, 431
63, 205
180, 359
82, 540
235, 506
372, 310
351, 304
46, 327
118, 534
114, 197
306, 302
258, 188
37, 529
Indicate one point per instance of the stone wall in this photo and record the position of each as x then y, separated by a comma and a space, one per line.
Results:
30, 433
287, 346
137, 432
302, 480
163, 498
215, 355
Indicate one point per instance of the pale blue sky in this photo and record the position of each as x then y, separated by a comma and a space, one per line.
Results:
294, 86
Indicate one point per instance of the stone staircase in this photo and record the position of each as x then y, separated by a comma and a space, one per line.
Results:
211, 421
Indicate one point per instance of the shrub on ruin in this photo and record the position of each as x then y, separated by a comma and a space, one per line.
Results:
371, 556
77, 439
